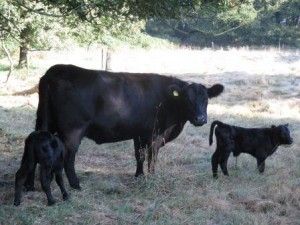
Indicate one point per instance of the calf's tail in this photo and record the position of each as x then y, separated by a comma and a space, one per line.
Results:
212, 127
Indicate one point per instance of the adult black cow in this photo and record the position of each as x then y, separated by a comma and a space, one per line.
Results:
110, 107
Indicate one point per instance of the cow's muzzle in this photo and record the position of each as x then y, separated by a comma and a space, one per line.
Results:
199, 121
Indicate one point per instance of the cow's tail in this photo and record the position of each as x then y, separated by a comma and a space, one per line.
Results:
43, 116
212, 127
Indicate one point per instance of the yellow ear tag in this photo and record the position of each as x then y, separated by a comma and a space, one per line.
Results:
175, 93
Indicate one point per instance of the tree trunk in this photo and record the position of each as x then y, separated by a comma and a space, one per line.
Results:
23, 57
24, 37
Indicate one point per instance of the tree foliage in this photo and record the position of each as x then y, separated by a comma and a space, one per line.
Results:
249, 22
43, 24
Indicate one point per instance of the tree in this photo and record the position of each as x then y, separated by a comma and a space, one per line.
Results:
233, 22
26, 29
27, 21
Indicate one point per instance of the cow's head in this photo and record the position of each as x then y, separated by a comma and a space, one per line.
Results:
195, 98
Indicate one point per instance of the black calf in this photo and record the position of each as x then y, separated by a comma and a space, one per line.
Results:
258, 142
47, 150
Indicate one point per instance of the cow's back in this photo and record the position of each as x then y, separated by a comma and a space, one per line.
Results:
113, 106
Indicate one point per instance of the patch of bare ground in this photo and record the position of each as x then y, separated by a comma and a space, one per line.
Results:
261, 89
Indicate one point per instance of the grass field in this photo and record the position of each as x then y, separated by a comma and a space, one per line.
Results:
262, 87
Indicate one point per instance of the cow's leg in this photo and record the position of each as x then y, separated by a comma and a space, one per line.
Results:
29, 182
215, 162
223, 162
261, 164
72, 141
140, 148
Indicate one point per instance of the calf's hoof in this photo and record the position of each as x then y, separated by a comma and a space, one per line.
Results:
17, 202
65, 196
51, 202
76, 186
28, 188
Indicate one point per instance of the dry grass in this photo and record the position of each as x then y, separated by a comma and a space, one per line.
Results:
262, 88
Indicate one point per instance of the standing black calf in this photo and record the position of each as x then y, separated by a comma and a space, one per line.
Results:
46, 149
258, 142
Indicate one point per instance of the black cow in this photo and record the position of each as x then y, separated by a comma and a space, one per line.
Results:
110, 107
47, 150
258, 142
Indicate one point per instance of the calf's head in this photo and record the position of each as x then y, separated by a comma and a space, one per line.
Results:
282, 134
49, 150
194, 99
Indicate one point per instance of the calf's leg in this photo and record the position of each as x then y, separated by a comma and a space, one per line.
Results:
223, 162
46, 178
60, 182
214, 163
29, 182
152, 157
21, 176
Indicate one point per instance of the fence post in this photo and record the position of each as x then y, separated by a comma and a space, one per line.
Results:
108, 60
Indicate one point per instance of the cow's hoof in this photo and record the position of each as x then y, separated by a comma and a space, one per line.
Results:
151, 171
139, 174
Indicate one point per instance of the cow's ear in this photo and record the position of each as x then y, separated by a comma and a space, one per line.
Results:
215, 90
273, 126
174, 90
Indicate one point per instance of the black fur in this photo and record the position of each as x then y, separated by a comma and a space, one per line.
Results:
159, 141
110, 107
258, 142
47, 150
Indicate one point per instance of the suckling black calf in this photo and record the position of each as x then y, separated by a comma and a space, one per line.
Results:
158, 142
258, 142
47, 150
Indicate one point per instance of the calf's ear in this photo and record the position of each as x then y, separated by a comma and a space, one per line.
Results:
215, 90
54, 143
273, 126
174, 90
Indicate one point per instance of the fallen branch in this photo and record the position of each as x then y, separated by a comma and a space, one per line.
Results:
30, 91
